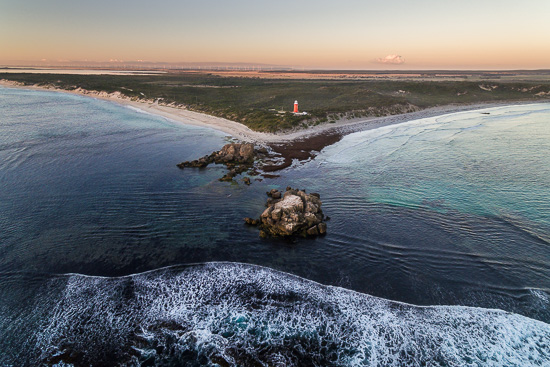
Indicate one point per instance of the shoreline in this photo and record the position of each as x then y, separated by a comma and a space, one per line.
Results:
188, 117
295, 145
243, 132
240, 131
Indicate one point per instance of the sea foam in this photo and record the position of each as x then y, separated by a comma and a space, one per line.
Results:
237, 314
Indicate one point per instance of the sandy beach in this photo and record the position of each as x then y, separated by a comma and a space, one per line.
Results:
322, 135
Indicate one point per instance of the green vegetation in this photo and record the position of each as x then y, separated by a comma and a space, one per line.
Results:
257, 102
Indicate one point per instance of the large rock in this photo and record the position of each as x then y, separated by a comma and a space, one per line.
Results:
246, 152
236, 156
296, 213
236, 153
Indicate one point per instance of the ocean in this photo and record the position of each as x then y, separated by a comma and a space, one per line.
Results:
437, 250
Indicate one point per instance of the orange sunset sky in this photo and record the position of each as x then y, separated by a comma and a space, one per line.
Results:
349, 34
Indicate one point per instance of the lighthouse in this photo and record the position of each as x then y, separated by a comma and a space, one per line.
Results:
295, 106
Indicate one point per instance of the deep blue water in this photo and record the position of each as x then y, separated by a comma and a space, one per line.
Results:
452, 210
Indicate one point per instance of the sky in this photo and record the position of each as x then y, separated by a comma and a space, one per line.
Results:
344, 34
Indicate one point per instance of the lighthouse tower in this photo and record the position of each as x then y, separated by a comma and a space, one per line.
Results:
295, 106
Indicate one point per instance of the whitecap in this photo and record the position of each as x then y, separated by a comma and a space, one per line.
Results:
237, 314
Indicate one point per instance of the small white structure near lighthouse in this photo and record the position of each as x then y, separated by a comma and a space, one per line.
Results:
296, 111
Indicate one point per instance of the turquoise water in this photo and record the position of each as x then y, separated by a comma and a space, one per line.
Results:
451, 210
495, 164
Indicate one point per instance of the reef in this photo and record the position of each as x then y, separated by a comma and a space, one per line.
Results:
294, 213
237, 157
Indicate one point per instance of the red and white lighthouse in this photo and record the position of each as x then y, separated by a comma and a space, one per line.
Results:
295, 106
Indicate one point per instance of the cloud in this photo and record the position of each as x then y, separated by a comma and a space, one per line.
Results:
391, 59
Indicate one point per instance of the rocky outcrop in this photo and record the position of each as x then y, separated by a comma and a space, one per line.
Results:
236, 156
239, 153
233, 154
293, 213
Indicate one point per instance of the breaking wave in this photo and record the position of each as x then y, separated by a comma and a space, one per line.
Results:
235, 314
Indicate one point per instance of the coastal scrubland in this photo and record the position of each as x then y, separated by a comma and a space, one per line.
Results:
265, 103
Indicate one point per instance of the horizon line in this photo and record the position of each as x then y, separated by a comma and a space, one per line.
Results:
203, 66
248, 66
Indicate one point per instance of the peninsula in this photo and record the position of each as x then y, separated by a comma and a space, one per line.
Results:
258, 106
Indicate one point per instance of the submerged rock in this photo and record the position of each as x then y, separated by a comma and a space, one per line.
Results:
274, 194
293, 213
251, 221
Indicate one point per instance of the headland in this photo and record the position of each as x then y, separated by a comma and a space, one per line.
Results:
341, 104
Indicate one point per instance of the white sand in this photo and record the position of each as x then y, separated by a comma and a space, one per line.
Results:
243, 133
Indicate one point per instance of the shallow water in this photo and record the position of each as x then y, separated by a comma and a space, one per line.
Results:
451, 210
